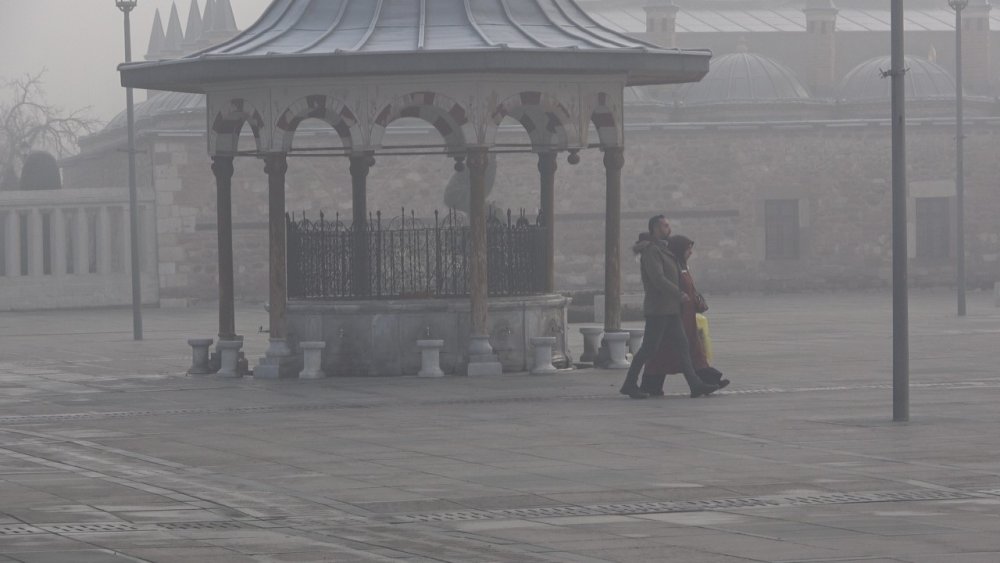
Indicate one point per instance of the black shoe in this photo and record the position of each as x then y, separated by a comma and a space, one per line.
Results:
723, 383
633, 392
656, 394
703, 389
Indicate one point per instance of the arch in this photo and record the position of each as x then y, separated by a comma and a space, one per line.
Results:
228, 122
447, 116
605, 120
328, 109
546, 120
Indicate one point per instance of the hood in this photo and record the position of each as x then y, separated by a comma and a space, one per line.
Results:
645, 240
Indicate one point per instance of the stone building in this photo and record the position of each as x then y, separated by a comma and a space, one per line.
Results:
777, 163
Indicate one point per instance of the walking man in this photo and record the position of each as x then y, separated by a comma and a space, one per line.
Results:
662, 308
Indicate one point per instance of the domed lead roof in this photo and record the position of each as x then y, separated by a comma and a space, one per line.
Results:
744, 78
924, 81
162, 103
356, 26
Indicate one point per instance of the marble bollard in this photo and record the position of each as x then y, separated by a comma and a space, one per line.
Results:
430, 358
200, 364
635, 339
591, 342
229, 354
617, 342
312, 359
542, 346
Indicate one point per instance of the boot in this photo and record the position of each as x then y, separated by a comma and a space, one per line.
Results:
699, 387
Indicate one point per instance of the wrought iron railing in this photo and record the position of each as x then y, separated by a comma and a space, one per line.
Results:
410, 258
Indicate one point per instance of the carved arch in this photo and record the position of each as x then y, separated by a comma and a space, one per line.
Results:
546, 120
328, 109
605, 118
227, 123
447, 116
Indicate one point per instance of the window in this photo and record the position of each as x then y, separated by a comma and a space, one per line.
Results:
781, 229
933, 228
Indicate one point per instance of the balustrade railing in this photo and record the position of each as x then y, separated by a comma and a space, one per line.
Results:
408, 257
70, 248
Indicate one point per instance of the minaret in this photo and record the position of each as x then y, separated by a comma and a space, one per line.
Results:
821, 25
976, 67
193, 31
206, 25
219, 23
175, 36
156, 39
661, 22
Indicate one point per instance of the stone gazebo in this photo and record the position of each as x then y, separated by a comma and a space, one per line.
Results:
463, 66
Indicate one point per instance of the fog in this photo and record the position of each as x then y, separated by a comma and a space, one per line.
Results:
80, 43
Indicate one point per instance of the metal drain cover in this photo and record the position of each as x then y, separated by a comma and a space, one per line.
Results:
624, 509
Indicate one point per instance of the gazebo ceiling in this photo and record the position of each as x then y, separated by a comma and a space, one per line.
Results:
301, 39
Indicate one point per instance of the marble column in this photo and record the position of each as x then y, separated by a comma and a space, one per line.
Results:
614, 161
547, 171
222, 168
278, 360
482, 360
360, 166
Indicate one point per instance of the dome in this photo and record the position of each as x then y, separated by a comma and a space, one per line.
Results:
162, 103
924, 81
744, 78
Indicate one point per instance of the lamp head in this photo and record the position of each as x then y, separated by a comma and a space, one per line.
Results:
126, 5
958, 4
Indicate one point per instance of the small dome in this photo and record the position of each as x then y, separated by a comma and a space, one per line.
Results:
924, 81
744, 78
161, 103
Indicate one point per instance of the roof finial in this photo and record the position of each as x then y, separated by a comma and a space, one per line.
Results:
156, 39
174, 38
192, 33
206, 24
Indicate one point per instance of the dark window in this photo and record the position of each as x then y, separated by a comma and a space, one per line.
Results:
781, 229
933, 228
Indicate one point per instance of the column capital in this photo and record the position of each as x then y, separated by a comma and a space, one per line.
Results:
547, 162
222, 166
275, 163
361, 164
614, 158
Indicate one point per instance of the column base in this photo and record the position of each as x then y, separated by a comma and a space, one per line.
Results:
482, 360
278, 362
612, 352
229, 356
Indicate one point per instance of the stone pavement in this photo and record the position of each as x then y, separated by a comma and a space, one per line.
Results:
109, 454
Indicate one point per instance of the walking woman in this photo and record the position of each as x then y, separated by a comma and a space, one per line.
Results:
666, 359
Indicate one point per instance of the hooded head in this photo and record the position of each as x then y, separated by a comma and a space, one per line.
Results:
679, 245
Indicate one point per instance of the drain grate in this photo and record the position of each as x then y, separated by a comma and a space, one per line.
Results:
624, 509
90, 528
214, 525
19, 530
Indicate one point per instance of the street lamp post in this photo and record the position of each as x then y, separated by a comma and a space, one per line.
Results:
126, 6
958, 6
900, 301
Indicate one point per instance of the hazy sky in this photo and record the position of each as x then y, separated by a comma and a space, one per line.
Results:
81, 42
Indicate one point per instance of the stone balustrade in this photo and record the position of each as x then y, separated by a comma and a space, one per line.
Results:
70, 248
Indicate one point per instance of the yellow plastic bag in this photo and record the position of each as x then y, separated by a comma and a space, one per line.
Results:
705, 335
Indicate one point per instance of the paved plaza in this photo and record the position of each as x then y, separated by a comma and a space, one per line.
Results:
109, 454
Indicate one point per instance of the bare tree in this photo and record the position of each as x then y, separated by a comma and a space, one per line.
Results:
28, 122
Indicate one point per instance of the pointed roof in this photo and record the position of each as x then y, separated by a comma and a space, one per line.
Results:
192, 33
224, 20
156, 39
297, 39
175, 36
209, 17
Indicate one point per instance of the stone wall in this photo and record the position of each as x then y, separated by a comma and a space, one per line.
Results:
711, 180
